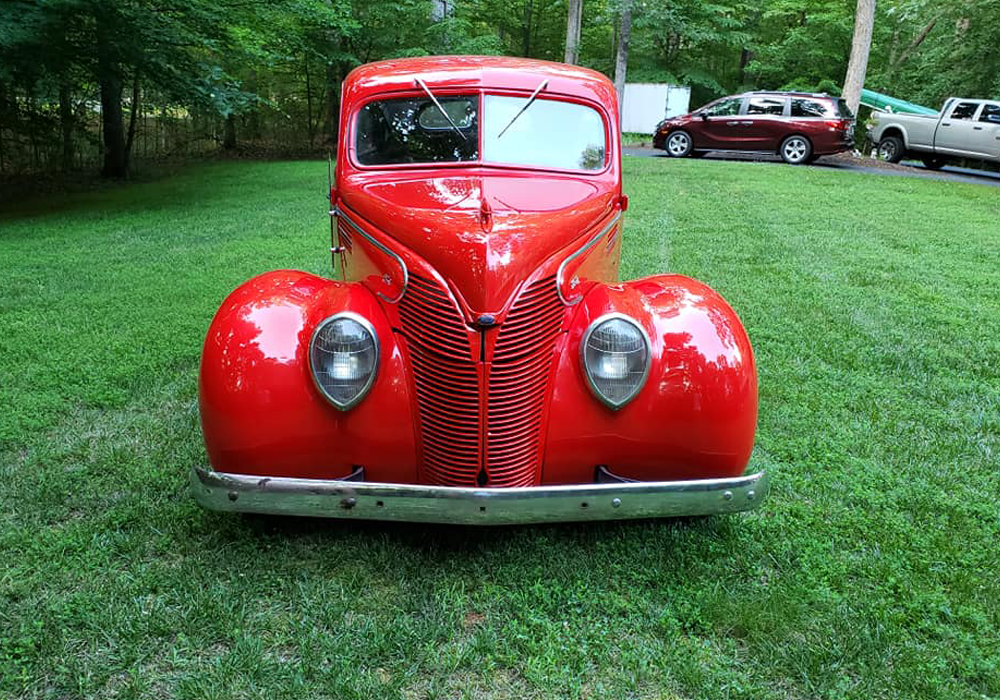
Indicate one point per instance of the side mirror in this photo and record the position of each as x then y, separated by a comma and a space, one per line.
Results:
704, 117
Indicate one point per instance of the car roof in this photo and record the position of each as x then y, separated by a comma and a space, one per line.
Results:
791, 93
474, 72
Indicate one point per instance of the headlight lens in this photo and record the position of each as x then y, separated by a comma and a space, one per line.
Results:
615, 352
343, 356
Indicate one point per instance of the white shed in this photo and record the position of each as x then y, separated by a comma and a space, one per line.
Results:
646, 104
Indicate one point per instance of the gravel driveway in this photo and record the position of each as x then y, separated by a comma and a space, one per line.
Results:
906, 169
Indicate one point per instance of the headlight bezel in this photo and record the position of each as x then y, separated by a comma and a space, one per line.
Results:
366, 387
591, 383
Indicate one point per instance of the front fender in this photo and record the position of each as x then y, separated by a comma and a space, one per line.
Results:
696, 415
260, 411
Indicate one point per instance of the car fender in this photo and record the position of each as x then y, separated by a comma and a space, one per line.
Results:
695, 416
261, 413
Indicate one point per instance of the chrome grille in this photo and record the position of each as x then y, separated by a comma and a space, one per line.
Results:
447, 384
449, 390
518, 385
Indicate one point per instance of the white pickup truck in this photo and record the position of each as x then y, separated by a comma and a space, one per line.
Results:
963, 129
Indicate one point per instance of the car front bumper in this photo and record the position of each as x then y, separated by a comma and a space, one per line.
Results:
361, 500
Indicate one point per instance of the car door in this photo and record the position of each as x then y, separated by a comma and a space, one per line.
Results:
959, 133
989, 123
718, 126
763, 122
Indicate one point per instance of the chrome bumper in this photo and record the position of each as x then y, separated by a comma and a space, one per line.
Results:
361, 500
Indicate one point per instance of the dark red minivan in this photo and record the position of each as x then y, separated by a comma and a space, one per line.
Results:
798, 126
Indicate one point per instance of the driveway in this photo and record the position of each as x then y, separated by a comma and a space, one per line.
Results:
913, 169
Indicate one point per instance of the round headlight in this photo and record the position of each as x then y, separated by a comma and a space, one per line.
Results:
615, 352
343, 356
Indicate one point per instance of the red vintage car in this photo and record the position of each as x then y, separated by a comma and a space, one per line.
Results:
475, 358
798, 126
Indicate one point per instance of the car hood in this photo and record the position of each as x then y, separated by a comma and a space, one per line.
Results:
483, 233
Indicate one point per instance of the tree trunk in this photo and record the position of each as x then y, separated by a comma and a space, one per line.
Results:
133, 112
857, 68
621, 58
745, 56
66, 124
229, 133
309, 105
112, 122
526, 29
574, 21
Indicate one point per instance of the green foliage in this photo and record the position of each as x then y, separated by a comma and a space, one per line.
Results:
869, 573
271, 71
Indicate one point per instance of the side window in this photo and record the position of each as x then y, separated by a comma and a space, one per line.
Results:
774, 106
808, 108
991, 113
725, 108
964, 110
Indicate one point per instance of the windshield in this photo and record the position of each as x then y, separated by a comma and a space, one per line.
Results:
413, 130
548, 133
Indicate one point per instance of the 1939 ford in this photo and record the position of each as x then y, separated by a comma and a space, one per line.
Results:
477, 361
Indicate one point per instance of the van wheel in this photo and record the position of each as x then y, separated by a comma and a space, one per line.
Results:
679, 144
891, 149
933, 163
796, 150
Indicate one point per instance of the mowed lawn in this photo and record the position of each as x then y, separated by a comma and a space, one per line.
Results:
873, 571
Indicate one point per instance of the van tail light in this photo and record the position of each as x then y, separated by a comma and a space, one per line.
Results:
839, 124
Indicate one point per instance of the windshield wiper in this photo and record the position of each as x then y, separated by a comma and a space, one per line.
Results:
437, 104
527, 104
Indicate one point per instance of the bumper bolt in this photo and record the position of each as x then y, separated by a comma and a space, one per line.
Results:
750, 495
615, 502
727, 496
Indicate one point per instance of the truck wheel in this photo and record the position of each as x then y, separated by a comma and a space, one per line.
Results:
891, 149
933, 163
679, 144
796, 150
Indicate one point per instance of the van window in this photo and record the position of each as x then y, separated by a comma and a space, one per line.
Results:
727, 107
802, 107
766, 105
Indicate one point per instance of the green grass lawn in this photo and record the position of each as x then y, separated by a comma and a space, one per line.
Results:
872, 572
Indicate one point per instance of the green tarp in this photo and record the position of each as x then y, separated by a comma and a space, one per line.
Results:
877, 100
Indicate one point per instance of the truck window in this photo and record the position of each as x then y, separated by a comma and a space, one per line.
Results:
991, 113
413, 130
766, 105
548, 133
964, 110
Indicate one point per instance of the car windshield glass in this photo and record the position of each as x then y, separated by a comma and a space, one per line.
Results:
549, 134
413, 130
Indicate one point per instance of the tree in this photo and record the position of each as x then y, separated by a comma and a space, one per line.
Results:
574, 21
857, 68
621, 57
